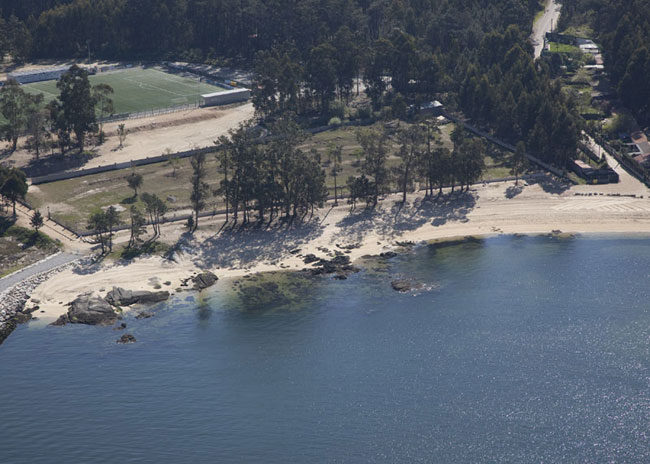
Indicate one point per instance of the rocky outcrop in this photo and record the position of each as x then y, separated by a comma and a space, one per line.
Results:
144, 315
121, 297
401, 285
204, 280
126, 338
339, 264
405, 285
86, 309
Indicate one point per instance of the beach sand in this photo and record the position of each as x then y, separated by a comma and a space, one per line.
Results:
491, 209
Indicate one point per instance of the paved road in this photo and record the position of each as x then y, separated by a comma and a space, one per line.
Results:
45, 265
547, 23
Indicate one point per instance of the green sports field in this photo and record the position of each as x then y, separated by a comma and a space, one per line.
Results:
138, 89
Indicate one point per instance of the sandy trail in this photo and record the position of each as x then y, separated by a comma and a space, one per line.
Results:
492, 209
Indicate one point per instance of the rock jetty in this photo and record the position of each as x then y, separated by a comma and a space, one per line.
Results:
12, 300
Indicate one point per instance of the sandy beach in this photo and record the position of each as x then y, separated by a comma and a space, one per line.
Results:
491, 209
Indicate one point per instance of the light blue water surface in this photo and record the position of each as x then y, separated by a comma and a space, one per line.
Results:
520, 349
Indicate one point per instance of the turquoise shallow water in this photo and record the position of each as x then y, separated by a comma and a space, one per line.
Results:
519, 350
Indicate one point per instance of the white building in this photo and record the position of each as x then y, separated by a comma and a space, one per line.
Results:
226, 97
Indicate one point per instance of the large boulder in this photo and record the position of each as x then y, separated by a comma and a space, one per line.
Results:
121, 297
90, 310
204, 280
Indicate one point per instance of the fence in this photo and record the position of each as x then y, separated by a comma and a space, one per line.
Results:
117, 166
630, 166
149, 113
506, 146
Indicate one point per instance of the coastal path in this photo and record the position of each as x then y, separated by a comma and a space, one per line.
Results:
51, 262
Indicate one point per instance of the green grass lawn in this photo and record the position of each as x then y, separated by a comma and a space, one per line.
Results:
72, 201
139, 89
556, 47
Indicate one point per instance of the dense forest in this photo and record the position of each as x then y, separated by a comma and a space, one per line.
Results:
310, 56
623, 29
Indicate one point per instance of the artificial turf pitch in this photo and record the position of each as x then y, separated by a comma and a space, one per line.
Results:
139, 89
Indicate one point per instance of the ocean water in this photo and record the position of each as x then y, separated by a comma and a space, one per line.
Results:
516, 349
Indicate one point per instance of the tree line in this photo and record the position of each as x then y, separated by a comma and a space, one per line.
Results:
310, 57
280, 180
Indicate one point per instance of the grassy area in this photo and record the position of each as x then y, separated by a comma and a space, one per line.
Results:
20, 247
139, 89
72, 201
582, 30
556, 47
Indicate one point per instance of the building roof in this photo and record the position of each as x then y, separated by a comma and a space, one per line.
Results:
38, 71
226, 92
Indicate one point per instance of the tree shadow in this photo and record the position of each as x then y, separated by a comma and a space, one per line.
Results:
241, 246
50, 164
514, 190
403, 217
551, 184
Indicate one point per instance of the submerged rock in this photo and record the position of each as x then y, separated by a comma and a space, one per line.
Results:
144, 315
126, 338
204, 280
121, 297
401, 285
90, 310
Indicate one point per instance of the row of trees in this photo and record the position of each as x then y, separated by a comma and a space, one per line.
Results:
279, 178
72, 112
421, 158
103, 222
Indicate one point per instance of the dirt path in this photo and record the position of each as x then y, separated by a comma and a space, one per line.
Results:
69, 241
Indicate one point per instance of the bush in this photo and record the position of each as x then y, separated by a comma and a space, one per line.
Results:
335, 121
364, 112
386, 113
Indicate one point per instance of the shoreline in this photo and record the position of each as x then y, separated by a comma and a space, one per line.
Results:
487, 211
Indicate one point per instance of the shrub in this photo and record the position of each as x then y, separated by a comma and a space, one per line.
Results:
335, 121
337, 109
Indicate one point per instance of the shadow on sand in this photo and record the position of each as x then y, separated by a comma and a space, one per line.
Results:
406, 217
239, 246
